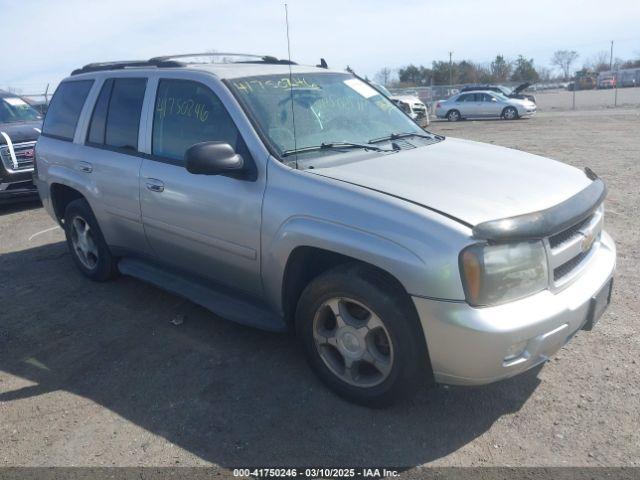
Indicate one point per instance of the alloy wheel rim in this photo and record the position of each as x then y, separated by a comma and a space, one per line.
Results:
83, 243
353, 342
509, 114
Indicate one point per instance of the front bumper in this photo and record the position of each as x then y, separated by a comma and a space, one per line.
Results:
527, 112
17, 186
474, 346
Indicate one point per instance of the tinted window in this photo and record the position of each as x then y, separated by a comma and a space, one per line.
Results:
64, 110
123, 116
486, 97
99, 117
469, 97
187, 113
14, 109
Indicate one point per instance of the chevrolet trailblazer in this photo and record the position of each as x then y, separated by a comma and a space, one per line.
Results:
283, 197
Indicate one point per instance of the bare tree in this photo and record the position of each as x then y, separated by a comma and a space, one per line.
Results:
599, 62
500, 69
384, 76
563, 59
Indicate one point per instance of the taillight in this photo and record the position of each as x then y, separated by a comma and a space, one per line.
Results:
438, 105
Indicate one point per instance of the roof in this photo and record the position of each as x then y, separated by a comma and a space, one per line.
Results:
247, 65
236, 70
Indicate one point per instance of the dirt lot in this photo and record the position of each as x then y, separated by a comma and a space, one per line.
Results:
95, 374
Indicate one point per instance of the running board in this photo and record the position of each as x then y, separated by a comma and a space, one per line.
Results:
224, 304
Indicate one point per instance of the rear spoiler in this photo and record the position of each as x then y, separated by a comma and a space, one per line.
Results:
547, 222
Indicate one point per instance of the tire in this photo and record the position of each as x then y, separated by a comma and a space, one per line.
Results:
89, 251
510, 113
453, 115
389, 362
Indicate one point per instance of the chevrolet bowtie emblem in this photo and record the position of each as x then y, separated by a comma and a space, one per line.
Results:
587, 241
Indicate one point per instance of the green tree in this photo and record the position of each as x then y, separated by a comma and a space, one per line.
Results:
440, 71
524, 71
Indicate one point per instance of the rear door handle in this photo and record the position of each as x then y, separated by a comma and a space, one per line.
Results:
85, 167
155, 185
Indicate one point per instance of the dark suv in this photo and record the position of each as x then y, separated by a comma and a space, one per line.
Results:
20, 127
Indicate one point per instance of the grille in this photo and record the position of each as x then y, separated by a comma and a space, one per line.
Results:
568, 234
24, 153
568, 267
570, 249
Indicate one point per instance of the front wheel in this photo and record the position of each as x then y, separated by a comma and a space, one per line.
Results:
510, 113
362, 337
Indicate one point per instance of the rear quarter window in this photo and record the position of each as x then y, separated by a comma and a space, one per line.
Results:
63, 113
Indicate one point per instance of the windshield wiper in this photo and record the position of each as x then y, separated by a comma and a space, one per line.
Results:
334, 145
396, 136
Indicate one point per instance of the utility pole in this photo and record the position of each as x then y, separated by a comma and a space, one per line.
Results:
611, 58
450, 69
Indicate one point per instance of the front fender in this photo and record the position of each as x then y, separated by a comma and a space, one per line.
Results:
307, 231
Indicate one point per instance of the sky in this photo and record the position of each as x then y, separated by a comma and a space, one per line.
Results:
44, 40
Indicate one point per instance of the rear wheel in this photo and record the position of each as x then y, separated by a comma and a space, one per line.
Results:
453, 115
86, 243
361, 336
510, 113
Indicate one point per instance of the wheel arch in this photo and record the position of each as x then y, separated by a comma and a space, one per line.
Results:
61, 196
305, 247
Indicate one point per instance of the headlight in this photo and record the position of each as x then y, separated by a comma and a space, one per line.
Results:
494, 274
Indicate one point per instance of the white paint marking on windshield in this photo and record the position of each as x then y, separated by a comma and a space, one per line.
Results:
362, 88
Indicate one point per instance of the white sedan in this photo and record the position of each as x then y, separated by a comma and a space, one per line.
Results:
484, 104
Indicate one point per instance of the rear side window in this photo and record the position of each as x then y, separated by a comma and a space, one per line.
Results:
63, 113
116, 114
99, 117
125, 106
187, 113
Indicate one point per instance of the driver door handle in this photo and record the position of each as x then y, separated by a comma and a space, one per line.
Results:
155, 185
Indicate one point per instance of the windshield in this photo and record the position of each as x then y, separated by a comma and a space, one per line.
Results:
328, 108
383, 89
14, 109
499, 95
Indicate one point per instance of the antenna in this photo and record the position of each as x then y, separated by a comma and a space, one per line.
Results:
293, 116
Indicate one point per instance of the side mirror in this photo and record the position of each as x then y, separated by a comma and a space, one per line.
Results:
494, 99
213, 158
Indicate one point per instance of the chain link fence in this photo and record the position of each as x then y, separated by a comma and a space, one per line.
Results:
549, 96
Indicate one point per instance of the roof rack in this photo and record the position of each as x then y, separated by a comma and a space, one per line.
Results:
169, 61
119, 65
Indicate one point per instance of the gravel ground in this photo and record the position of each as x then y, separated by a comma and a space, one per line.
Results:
95, 374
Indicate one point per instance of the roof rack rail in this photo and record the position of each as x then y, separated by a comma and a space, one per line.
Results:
118, 65
257, 58
169, 61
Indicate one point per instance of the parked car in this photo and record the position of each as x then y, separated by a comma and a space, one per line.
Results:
484, 104
506, 91
606, 81
288, 197
19, 129
410, 104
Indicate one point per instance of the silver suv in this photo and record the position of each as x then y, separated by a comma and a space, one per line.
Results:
288, 197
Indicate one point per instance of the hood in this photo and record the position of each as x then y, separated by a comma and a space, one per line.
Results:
521, 87
473, 182
20, 132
